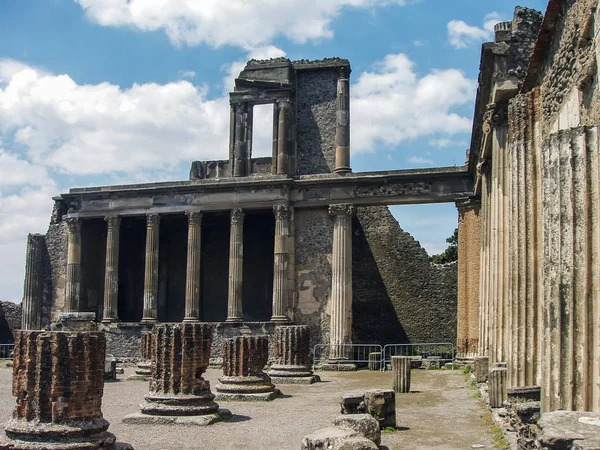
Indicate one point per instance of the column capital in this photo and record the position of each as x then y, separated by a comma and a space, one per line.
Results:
496, 115
345, 73
113, 222
73, 225
194, 217
341, 209
237, 216
152, 219
282, 212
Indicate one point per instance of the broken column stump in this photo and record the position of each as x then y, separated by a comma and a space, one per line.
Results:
375, 361
58, 380
178, 393
381, 404
143, 369
481, 368
292, 350
401, 373
244, 358
497, 386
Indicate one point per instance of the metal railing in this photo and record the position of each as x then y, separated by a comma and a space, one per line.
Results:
6, 350
357, 354
442, 351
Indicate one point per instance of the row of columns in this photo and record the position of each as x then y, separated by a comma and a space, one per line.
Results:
283, 278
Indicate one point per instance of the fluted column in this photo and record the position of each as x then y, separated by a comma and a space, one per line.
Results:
342, 124
281, 264
111, 273
340, 329
151, 268
34, 274
192, 283
236, 266
73, 290
283, 140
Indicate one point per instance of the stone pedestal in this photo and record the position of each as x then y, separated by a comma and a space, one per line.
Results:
401, 373
244, 358
178, 393
292, 349
143, 370
58, 380
381, 404
481, 367
497, 386
375, 361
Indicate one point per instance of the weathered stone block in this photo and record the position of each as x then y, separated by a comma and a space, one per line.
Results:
569, 430
524, 394
337, 438
481, 368
497, 386
353, 403
291, 356
365, 424
381, 404
375, 361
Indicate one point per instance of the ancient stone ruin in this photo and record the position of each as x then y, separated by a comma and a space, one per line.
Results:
244, 358
143, 369
58, 381
178, 393
291, 363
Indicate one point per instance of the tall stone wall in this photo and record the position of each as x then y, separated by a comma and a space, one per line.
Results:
56, 276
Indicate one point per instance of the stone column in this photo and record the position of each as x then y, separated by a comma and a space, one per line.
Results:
282, 263
481, 368
58, 379
34, 278
283, 139
292, 356
244, 358
342, 123
192, 283
73, 284
469, 249
151, 268
236, 266
401, 366
340, 329
497, 386
111, 273
241, 139
178, 392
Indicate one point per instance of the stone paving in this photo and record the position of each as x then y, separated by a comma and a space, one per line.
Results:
439, 413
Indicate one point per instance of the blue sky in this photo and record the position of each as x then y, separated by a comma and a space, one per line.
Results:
101, 92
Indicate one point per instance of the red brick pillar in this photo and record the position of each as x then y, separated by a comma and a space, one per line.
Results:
178, 392
58, 380
292, 349
244, 358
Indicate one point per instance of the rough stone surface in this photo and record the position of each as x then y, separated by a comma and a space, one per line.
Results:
401, 371
10, 320
569, 429
481, 368
353, 403
381, 404
365, 424
54, 290
291, 360
336, 438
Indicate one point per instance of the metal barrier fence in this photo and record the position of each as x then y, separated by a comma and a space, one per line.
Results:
444, 351
347, 353
6, 350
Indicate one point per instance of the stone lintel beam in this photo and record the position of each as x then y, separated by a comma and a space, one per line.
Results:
441, 185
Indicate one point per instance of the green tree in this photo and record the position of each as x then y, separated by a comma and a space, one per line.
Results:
451, 253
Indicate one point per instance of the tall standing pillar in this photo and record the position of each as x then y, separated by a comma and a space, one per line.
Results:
151, 268
340, 329
283, 139
34, 274
342, 123
73, 291
281, 264
240, 145
192, 282
236, 266
111, 273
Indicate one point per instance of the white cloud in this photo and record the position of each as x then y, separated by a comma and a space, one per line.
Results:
419, 160
392, 104
189, 74
241, 23
463, 35
446, 142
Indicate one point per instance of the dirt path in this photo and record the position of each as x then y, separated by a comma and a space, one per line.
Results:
442, 414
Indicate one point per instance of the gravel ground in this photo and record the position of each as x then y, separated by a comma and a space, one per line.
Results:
440, 413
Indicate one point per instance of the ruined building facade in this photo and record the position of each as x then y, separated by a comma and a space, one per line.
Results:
535, 158
252, 242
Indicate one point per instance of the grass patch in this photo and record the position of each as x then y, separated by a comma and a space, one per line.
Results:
498, 439
467, 370
390, 429
477, 394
